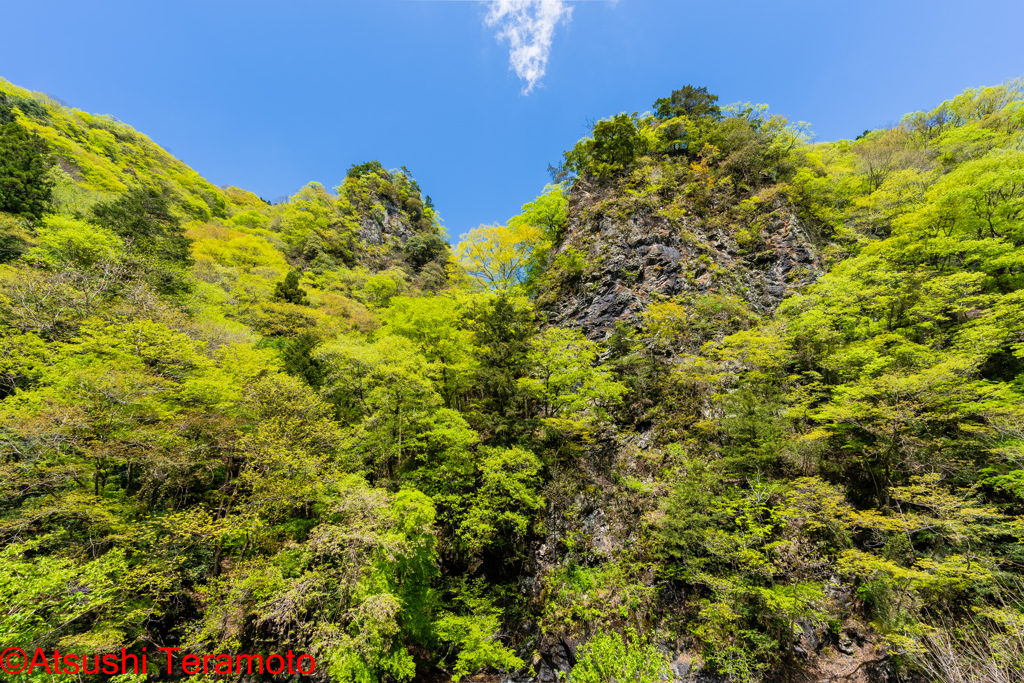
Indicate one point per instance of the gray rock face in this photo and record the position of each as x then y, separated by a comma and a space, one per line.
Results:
632, 259
386, 220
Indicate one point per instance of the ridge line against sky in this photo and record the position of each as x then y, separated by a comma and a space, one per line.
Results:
265, 97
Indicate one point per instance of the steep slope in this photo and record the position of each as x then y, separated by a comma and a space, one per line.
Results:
775, 315
640, 251
99, 156
377, 222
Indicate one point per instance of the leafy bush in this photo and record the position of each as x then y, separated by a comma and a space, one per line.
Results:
63, 240
422, 249
615, 145
612, 658
475, 635
688, 101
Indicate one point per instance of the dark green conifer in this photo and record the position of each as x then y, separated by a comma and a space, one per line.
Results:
288, 290
25, 163
299, 361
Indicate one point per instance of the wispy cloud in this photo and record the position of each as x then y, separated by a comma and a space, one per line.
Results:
529, 26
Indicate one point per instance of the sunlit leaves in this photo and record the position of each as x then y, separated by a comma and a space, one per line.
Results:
562, 376
495, 257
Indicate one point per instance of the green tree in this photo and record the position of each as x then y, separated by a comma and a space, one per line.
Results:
550, 213
422, 249
439, 327
616, 143
299, 361
144, 216
63, 240
505, 504
384, 392
288, 290
25, 162
502, 328
476, 636
495, 257
564, 380
688, 101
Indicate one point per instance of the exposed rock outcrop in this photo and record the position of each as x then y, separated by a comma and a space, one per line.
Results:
386, 220
635, 254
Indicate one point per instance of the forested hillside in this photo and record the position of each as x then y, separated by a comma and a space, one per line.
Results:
721, 404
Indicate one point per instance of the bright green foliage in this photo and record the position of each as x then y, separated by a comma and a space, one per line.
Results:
14, 101
732, 544
351, 591
688, 322
25, 162
749, 148
298, 359
616, 143
422, 249
495, 257
108, 157
22, 357
226, 255
143, 218
370, 651
688, 101
158, 470
475, 636
502, 328
609, 657
562, 378
63, 240
311, 224
589, 599
550, 213
506, 502
32, 592
385, 392
368, 187
439, 327
309, 210
379, 289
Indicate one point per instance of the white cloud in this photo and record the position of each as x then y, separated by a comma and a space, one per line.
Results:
529, 26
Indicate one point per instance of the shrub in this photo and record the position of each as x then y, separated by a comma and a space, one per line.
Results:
613, 658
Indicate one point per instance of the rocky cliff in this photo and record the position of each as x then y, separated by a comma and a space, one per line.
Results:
619, 254
636, 252
387, 222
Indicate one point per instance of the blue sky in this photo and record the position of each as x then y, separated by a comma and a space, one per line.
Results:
269, 96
